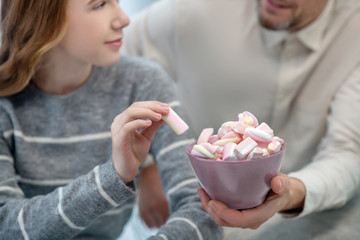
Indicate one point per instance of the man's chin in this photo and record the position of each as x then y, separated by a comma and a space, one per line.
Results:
274, 26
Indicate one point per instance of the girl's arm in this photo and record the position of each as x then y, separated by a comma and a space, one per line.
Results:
64, 212
70, 209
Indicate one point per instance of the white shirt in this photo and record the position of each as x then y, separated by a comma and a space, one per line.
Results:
224, 63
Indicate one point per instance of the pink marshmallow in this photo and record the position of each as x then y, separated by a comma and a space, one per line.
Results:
255, 154
265, 152
244, 139
197, 153
245, 147
229, 152
281, 141
240, 127
211, 148
258, 135
264, 127
204, 151
274, 147
205, 135
230, 134
175, 122
222, 142
213, 139
248, 118
225, 128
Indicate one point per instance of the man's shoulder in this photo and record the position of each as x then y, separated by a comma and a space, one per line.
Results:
347, 3
346, 6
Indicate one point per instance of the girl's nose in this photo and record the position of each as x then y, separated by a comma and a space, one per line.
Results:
121, 20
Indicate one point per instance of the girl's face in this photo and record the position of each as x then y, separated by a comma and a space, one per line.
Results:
94, 33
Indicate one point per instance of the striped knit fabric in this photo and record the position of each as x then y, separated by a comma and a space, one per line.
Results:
57, 180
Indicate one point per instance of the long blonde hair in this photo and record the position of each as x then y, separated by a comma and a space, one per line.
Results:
30, 28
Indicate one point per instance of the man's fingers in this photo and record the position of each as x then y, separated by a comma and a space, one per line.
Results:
235, 218
147, 218
158, 218
229, 215
204, 198
280, 184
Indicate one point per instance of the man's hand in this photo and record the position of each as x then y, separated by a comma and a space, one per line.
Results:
153, 205
287, 193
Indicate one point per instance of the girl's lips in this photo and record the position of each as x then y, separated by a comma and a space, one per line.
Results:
116, 43
273, 5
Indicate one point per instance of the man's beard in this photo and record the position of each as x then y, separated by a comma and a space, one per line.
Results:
277, 26
273, 26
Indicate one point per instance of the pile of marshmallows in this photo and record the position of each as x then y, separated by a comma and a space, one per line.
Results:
238, 140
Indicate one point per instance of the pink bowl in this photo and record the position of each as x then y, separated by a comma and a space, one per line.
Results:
240, 184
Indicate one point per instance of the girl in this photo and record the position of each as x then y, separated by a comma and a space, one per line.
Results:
63, 173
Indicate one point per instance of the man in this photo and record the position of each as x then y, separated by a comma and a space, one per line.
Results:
293, 63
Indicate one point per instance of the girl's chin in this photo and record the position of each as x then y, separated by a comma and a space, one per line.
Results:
107, 62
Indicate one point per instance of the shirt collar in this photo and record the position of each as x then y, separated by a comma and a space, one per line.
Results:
310, 36
273, 38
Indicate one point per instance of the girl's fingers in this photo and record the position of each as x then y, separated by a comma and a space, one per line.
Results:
150, 104
134, 125
149, 132
157, 107
132, 113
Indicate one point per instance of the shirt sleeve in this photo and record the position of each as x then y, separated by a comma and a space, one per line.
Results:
151, 34
333, 176
188, 220
62, 213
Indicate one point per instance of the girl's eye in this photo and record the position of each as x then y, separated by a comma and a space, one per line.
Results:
99, 6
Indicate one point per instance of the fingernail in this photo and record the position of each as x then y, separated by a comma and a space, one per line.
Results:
212, 207
280, 183
165, 108
158, 116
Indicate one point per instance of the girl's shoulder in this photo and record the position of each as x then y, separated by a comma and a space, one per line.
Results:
132, 70
137, 65
5, 103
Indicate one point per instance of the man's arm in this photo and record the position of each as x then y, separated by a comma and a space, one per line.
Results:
329, 181
334, 174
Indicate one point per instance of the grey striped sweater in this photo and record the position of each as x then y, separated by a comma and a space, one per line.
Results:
57, 180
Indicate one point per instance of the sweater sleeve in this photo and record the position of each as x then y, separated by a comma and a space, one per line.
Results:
333, 177
62, 213
188, 220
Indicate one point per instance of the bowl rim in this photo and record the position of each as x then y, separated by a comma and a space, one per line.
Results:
188, 151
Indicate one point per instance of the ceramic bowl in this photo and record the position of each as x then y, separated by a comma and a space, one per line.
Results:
238, 184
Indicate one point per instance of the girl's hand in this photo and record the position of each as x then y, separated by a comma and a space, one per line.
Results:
287, 193
129, 145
